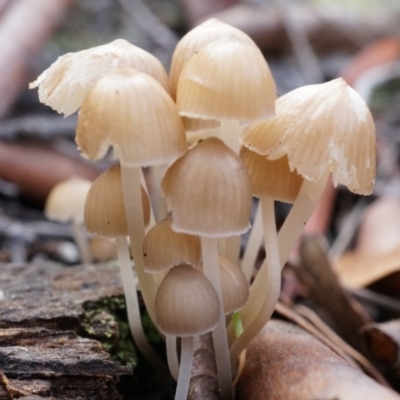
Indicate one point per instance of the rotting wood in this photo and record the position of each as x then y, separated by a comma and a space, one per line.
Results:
42, 320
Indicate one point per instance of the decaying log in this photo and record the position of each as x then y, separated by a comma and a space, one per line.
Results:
286, 363
43, 318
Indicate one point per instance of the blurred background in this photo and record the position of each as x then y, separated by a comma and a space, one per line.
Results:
304, 41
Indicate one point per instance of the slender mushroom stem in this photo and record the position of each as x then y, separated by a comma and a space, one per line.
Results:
185, 369
132, 303
266, 293
172, 356
253, 245
209, 248
80, 237
299, 214
229, 133
290, 232
134, 213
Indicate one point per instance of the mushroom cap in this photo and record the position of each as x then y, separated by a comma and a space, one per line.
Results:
227, 79
234, 286
104, 207
271, 178
186, 303
64, 85
203, 34
321, 126
133, 113
164, 248
208, 191
66, 200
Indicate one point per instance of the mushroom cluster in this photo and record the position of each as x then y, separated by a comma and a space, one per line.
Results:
216, 125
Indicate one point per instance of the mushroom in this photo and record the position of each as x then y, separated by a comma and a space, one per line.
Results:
131, 112
186, 305
270, 180
209, 194
64, 85
65, 203
105, 216
321, 128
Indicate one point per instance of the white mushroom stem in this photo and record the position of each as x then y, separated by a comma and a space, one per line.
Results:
131, 190
172, 356
80, 237
266, 293
182, 388
290, 232
230, 132
209, 248
254, 243
300, 213
132, 303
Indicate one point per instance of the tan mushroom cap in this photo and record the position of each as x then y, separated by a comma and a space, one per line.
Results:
64, 85
321, 126
271, 178
104, 206
133, 113
205, 33
234, 286
186, 303
208, 191
227, 79
164, 248
66, 200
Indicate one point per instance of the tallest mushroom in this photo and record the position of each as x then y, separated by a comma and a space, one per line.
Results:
131, 112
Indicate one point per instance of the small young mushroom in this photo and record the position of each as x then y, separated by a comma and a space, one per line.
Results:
186, 305
66, 203
105, 216
163, 249
209, 194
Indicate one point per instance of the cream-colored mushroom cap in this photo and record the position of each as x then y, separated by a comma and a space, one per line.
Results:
66, 200
186, 303
208, 191
321, 126
133, 113
104, 206
227, 79
205, 33
64, 85
164, 248
271, 178
234, 286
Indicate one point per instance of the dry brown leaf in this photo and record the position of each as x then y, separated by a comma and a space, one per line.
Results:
377, 252
286, 363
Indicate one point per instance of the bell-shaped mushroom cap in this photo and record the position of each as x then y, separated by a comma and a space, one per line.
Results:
271, 178
186, 303
64, 85
104, 206
208, 191
66, 200
227, 79
133, 113
164, 248
234, 286
321, 126
205, 33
